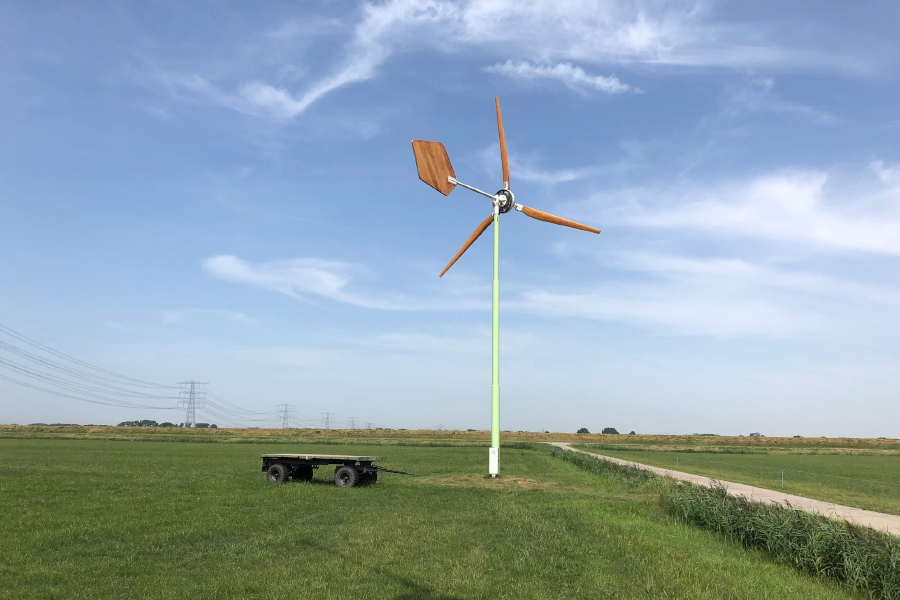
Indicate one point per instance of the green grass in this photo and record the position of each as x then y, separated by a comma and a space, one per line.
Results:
869, 481
100, 519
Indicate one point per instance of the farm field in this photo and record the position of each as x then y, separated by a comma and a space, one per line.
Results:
126, 519
870, 481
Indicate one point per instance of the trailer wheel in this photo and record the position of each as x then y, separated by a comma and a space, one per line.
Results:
303, 473
346, 476
277, 473
369, 478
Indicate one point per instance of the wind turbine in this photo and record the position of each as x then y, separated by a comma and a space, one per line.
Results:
435, 169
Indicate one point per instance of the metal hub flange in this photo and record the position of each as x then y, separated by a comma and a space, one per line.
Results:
505, 200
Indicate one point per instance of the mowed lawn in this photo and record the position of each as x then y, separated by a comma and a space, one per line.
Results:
864, 481
111, 519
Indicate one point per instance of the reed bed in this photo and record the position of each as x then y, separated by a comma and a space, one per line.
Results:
622, 474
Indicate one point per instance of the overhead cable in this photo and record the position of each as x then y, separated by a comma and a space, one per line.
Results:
50, 350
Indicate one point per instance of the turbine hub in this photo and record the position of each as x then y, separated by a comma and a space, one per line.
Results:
505, 200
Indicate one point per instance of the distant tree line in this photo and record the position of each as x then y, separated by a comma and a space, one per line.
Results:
152, 423
607, 430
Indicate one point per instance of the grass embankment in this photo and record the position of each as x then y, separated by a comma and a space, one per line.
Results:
870, 481
100, 519
864, 560
443, 438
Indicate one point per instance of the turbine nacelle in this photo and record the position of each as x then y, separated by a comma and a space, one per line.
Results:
505, 201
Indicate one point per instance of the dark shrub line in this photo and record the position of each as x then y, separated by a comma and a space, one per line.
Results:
865, 560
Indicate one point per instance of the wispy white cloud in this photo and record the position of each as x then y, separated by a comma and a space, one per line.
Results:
717, 297
298, 277
536, 175
307, 278
371, 44
545, 39
572, 76
759, 97
791, 206
305, 27
713, 295
182, 315
890, 176
672, 310
771, 291
758, 276
528, 168
252, 98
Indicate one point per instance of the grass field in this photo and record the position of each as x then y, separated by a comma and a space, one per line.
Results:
116, 519
870, 481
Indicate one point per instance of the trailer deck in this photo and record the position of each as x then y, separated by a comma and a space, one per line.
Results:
349, 472
329, 457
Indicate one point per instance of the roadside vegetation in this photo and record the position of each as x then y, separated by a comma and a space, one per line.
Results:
104, 519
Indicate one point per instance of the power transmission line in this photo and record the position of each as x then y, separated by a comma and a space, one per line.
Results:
77, 387
85, 386
83, 376
286, 412
304, 423
36, 344
193, 395
239, 409
240, 416
109, 402
82, 381
85, 382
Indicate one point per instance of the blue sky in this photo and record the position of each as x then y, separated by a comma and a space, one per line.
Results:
226, 192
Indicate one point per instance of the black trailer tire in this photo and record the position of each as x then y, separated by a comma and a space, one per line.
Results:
278, 473
369, 478
346, 476
303, 473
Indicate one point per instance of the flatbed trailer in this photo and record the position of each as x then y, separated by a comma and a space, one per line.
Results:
349, 471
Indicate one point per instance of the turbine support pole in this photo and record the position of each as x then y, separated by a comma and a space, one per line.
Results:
494, 456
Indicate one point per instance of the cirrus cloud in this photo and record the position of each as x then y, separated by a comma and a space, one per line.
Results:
572, 76
797, 206
545, 39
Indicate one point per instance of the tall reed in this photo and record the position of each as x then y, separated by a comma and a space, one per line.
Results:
864, 559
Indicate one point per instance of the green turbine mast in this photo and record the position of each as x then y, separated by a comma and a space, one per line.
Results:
435, 169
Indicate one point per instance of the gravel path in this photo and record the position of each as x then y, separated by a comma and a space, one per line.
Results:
857, 516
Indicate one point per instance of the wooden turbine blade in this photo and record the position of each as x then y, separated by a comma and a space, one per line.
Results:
475, 234
434, 165
542, 216
504, 160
